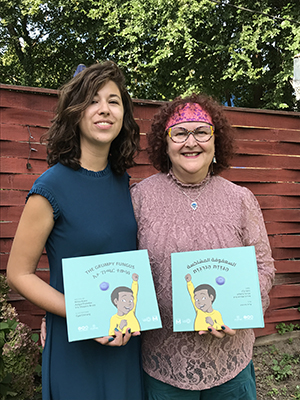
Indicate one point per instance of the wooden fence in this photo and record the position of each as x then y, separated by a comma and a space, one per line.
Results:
267, 162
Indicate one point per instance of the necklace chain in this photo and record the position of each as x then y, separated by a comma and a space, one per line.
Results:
190, 197
194, 204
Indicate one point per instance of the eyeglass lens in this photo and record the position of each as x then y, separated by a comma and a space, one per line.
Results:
201, 134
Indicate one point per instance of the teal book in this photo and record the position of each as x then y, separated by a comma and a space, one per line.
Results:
108, 291
214, 288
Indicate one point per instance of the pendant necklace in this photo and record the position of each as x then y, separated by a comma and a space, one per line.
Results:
194, 204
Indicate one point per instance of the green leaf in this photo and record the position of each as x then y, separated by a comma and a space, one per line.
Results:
35, 337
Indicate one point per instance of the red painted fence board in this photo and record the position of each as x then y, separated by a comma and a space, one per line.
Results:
265, 161
277, 215
17, 181
287, 266
273, 202
278, 188
19, 132
283, 135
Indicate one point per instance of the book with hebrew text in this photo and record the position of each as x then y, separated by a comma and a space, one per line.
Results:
214, 288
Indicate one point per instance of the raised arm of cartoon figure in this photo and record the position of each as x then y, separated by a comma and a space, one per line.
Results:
125, 300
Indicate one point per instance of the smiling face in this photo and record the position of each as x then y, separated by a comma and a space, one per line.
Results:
124, 302
102, 121
203, 300
191, 159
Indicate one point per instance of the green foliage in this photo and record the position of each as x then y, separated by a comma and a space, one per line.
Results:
283, 328
19, 352
273, 350
273, 391
282, 369
165, 47
281, 392
277, 370
297, 392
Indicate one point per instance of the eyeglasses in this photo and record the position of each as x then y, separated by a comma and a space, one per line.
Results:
201, 134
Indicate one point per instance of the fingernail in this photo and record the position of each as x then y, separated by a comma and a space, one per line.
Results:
117, 330
129, 330
210, 330
223, 327
111, 339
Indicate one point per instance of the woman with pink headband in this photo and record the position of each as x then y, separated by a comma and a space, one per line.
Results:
187, 206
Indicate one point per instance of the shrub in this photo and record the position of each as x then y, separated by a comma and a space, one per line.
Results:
20, 354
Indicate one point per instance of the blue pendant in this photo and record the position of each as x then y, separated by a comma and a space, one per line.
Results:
194, 205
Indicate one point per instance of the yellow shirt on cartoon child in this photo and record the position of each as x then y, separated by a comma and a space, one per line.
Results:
201, 323
131, 319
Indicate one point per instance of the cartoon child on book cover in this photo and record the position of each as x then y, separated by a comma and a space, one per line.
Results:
125, 299
202, 298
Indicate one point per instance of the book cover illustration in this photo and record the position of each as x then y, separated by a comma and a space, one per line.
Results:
214, 288
109, 291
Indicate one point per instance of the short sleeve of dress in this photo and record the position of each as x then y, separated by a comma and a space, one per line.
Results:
255, 234
40, 189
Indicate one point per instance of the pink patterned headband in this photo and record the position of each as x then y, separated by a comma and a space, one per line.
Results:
190, 112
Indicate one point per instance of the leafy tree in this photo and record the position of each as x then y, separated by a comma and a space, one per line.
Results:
262, 53
42, 42
239, 51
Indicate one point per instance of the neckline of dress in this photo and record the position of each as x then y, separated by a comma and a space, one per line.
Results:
190, 185
96, 174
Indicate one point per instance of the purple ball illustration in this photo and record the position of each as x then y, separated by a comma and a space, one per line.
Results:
104, 286
220, 280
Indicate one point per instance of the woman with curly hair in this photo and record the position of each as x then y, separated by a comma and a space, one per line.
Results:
187, 206
81, 206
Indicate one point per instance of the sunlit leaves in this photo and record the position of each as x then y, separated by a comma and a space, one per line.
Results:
165, 47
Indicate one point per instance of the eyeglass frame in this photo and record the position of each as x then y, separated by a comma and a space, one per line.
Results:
192, 132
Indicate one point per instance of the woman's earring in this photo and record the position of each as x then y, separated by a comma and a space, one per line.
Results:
214, 161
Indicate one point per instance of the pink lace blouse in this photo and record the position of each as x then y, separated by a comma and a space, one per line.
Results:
227, 216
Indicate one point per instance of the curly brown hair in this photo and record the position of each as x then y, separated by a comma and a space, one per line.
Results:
63, 137
224, 140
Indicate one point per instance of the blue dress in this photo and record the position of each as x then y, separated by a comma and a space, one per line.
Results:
93, 214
